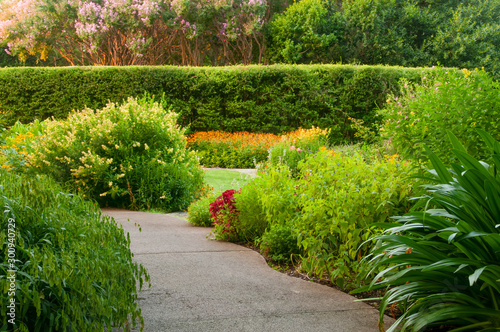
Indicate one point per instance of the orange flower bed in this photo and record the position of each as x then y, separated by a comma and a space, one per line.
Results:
241, 139
242, 149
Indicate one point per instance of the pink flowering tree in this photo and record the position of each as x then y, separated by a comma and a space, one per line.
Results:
241, 29
128, 32
219, 31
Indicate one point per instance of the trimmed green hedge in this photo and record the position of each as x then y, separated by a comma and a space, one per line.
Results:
243, 98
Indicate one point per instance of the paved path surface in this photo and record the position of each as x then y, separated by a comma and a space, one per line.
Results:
204, 285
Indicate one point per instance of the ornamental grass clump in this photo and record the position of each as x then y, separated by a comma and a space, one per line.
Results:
131, 155
442, 265
72, 266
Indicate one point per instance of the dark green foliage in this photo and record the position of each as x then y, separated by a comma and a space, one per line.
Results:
441, 265
451, 33
254, 98
280, 243
75, 271
468, 37
307, 32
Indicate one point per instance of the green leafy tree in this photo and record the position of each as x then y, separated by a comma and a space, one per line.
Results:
305, 33
469, 38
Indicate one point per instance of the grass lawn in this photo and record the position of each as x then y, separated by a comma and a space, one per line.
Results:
222, 180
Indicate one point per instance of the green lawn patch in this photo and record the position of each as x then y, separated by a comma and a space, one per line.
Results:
222, 179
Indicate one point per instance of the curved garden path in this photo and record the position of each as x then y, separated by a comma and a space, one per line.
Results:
204, 285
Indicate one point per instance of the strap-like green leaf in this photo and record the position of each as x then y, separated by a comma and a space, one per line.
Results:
493, 200
490, 141
473, 277
455, 142
471, 163
442, 172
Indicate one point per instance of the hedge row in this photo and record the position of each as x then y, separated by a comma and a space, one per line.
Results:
243, 98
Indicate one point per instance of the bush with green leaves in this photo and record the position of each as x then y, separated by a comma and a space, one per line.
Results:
245, 215
306, 32
74, 270
442, 264
407, 33
252, 221
459, 101
131, 155
198, 211
330, 208
342, 195
279, 243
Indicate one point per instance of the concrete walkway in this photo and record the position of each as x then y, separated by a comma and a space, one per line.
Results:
205, 285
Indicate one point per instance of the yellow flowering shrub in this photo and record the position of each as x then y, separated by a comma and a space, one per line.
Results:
131, 155
17, 144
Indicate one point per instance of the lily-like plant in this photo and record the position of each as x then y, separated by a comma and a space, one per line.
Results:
442, 265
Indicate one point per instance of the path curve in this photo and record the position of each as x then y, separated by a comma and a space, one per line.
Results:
205, 285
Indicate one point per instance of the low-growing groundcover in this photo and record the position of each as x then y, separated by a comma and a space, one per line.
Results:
74, 268
442, 265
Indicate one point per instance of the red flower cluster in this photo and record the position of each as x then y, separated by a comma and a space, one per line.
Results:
223, 210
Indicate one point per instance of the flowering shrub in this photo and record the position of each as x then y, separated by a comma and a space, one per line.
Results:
459, 101
330, 208
245, 150
297, 146
130, 155
225, 215
341, 196
18, 144
127, 32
